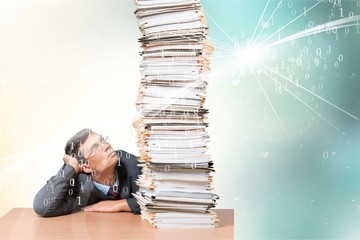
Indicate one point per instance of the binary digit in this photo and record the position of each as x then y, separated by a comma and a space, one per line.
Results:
318, 52
125, 190
290, 4
313, 88
88, 178
80, 153
304, 13
61, 173
325, 155
119, 153
329, 49
82, 188
341, 12
316, 61
72, 182
325, 67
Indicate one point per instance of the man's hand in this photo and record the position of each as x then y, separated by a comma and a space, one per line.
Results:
108, 206
72, 162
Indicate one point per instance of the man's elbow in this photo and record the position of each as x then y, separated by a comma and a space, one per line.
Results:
43, 210
40, 209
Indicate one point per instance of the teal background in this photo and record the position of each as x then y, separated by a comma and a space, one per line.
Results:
299, 181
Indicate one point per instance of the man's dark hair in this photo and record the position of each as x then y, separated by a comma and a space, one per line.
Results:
73, 144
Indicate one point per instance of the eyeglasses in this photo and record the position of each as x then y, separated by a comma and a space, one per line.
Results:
97, 147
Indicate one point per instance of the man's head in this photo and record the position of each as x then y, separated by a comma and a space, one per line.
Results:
73, 144
92, 150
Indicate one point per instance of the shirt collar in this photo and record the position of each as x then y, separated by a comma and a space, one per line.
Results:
105, 188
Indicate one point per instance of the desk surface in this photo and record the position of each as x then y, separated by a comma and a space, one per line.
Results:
24, 223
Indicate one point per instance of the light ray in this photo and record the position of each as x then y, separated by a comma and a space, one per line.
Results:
189, 38
223, 49
303, 102
261, 17
271, 105
263, 28
225, 52
219, 27
273, 57
314, 94
286, 25
228, 65
224, 45
318, 29
223, 56
169, 98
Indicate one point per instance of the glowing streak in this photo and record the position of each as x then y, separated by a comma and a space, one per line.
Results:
169, 98
219, 27
263, 27
224, 52
272, 57
220, 70
318, 29
247, 56
223, 56
262, 15
271, 105
221, 44
307, 10
318, 114
305, 89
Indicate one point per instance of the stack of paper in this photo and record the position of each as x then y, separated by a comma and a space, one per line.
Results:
175, 185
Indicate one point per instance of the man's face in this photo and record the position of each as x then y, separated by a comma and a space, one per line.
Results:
99, 153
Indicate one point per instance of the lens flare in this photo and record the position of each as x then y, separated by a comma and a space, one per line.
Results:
248, 56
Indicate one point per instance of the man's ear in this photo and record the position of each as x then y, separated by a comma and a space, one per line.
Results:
86, 168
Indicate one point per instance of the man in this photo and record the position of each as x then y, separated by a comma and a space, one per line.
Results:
93, 178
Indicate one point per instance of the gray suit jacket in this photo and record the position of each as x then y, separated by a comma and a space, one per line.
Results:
67, 191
